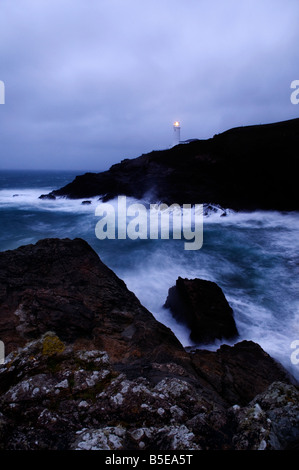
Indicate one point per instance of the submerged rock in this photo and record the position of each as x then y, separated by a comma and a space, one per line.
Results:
202, 306
47, 196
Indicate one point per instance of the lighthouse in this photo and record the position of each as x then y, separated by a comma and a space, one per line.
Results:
176, 133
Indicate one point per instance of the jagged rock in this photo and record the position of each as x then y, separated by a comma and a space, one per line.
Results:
74, 399
280, 402
239, 373
270, 421
89, 368
62, 285
107, 438
203, 307
47, 196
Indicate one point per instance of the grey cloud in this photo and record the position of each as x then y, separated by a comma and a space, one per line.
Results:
89, 83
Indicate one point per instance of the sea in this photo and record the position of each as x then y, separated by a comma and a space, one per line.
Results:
252, 256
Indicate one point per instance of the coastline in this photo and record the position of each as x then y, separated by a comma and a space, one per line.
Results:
124, 354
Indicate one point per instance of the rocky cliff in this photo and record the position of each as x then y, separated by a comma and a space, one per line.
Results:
244, 168
88, 367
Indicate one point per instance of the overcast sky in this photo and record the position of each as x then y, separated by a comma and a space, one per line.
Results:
90, 82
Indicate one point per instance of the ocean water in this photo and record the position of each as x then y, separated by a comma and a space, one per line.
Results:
253, 257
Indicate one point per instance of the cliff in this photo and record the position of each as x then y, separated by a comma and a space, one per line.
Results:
244, 168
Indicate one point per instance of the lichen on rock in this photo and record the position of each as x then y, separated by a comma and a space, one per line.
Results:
52, 344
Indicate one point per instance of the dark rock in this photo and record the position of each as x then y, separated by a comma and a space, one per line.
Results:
108, 376
203, 307
72, 398
239, 373
239, 169
270, 421
62, 285
284, 418
86, 202
47, 196
66, 397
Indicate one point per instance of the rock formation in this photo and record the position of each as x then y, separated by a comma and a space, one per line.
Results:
88, 367
62, 285
244, 168
238, 373
202, 306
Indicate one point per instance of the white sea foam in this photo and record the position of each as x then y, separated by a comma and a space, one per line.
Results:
29, 199
254, 259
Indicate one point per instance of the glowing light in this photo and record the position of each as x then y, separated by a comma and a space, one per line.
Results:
176, 123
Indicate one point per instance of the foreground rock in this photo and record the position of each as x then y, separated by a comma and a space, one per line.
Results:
57, 397
89, 368
62, 285
239, 169
238, 373
202, 306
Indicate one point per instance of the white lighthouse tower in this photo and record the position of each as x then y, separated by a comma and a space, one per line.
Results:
176, 133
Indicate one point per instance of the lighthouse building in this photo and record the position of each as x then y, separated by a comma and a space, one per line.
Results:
176, 133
